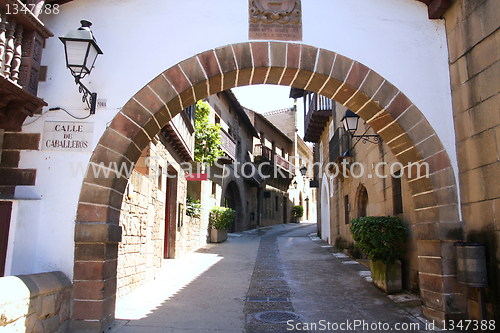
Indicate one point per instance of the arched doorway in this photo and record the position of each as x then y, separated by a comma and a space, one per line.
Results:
325, 210
386, 109
301, 203
361, 200
232, 199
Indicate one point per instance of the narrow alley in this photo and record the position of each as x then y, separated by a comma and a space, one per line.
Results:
274, 279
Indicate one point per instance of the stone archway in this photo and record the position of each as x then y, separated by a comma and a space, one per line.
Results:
386, 109
232, 199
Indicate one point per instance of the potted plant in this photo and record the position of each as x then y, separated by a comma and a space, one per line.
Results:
382, 239
220, 219
297, 212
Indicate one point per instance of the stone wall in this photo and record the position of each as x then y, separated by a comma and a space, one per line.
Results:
35, 303
380, 198
142, 218
473, 33
140, 252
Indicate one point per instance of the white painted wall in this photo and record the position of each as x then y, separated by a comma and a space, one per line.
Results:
141, 39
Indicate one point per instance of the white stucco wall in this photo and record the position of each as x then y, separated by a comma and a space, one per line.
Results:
141, 39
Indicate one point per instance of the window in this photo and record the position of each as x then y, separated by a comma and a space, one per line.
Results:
160, 177
346, 209
276, 202
397, 194
190, 110
214, 189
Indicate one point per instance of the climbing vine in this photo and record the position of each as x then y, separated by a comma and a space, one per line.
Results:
207, 143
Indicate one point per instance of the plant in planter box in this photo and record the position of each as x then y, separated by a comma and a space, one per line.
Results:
382, 239
297, 212
220, 219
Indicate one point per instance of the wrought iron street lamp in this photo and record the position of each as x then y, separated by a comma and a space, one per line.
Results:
303, 170
81, 51
350, 123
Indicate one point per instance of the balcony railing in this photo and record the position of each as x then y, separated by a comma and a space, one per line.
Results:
180, 134
263, 151
267, 153
228, 144
317, 117
22, 36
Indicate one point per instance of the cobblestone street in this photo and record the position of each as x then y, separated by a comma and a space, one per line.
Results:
257, 280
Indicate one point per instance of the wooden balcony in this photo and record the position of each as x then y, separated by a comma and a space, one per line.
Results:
22, 36
228, 145
319, 111
265, 153
251, 174
180, 134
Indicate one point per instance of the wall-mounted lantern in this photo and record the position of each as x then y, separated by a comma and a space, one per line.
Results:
303, 171
81, 51
350, 123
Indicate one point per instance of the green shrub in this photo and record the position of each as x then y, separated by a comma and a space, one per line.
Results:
298, 211
193, 207
221, 218
381, 238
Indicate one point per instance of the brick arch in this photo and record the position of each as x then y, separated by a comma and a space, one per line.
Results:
401, 125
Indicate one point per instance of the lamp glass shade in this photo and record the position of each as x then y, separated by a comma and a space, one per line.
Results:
76, 56
303, 170
81, 50
350, 121
80, 56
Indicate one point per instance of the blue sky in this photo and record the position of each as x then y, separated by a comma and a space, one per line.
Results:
263, 98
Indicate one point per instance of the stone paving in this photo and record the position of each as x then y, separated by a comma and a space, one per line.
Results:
225, 287
268, 292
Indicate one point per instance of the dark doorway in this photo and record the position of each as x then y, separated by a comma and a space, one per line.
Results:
170, 214
232, 200
362, 201
167, 221
5, 212
285, 217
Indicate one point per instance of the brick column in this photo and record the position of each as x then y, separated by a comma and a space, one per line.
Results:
442, 297
94, 286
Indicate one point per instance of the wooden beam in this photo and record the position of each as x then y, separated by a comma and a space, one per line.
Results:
438, 7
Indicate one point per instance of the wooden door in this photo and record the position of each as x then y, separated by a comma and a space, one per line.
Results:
166, 243
5, 212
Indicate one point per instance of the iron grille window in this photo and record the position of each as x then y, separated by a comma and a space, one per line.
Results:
335, 146
339, 145
397, 193
190, 111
